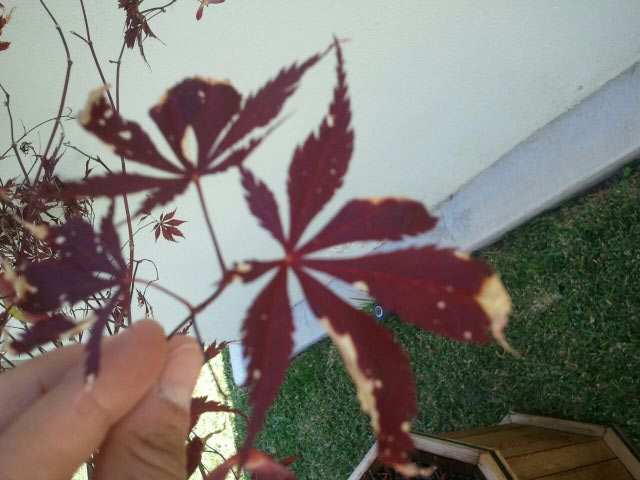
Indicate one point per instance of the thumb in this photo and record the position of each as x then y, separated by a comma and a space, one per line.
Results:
150, 442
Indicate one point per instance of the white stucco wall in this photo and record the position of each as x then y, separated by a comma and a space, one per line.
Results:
441, 89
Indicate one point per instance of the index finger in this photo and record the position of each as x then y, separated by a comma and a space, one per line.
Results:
22, 386
58, 433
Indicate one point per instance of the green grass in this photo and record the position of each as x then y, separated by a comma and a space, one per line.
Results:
574, 277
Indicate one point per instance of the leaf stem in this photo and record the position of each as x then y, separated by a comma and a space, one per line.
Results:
222, 285
207, 218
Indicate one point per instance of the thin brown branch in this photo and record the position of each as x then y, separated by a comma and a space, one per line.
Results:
160, 9
118, 65
222, 285
123, 167
14, 144
65, 88
87, 156
35, 127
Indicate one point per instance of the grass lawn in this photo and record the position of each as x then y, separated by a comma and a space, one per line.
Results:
574, 276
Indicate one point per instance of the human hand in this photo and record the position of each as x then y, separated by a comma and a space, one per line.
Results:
136, 413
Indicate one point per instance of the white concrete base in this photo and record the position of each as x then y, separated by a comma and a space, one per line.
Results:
570, 154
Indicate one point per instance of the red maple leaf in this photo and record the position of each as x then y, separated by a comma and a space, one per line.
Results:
195, 448
259, 463
85, 263
200, 405
437, 289
211, 110
168, 227
45, 330
214, 349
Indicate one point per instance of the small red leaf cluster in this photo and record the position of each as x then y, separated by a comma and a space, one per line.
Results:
4, 19
84, 264
168, 227
136, 26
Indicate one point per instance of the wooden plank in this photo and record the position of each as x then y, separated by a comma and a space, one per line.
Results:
623, 452
521, 441
495, 467
445, 448
609, 470
554, 424
535, 465
366, 462
477, 431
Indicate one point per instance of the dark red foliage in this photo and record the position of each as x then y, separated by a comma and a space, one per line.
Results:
267, 340
4, 19
168, 227
195, 447
84, 264
200, 107
437, 289
46, 330
260, 464
136, 27
425, 284
200, 405
214, 349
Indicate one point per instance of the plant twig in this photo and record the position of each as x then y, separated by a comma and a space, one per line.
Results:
35, 127
123, 167
222, 285
160, 8
65, 88
14, 144
86, 155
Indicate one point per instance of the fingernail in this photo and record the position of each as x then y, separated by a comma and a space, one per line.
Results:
180, 375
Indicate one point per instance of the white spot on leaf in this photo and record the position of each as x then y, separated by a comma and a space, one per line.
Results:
125, 135
360, 285
242, 267
331, 121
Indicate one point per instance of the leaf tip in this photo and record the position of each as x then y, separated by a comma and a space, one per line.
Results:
84, 116
496, 303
